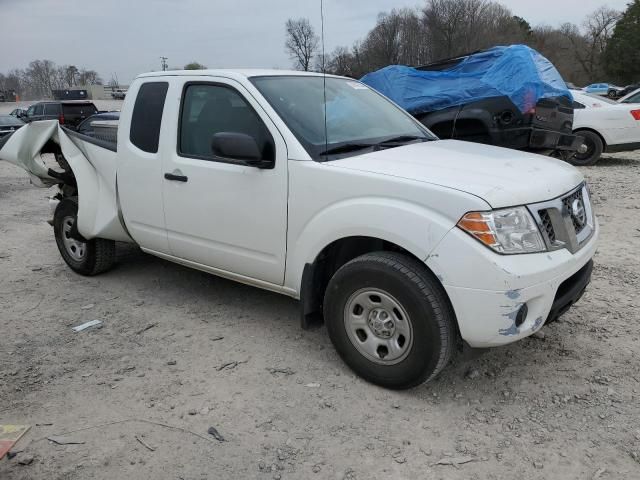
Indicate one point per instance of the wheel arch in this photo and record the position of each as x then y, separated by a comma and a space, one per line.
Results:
317, 273
592, 130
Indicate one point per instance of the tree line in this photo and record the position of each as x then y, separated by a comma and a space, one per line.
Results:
605, 46
42, 76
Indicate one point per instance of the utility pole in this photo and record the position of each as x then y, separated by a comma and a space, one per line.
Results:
163, 62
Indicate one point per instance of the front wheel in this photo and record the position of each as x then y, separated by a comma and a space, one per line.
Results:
390, 320
86, 257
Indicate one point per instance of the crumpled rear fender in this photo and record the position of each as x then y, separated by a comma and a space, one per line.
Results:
23, 148
94, 167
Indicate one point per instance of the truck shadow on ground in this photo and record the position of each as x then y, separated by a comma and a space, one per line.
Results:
605, 162
260, 312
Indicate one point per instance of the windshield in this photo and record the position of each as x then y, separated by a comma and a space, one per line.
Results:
358, 119
633, 98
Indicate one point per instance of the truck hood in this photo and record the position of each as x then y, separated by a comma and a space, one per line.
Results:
500, 176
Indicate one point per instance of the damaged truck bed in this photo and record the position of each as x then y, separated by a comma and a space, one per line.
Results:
94, 180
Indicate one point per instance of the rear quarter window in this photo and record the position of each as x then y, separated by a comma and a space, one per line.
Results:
147, 116
52, 109
85, 110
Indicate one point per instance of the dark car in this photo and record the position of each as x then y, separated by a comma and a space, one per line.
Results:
480, 97
628, 89
68, 113
633, 97
18, 112
86, 127
9, 124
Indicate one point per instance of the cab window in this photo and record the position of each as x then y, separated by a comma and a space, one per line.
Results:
146, 118
208, 109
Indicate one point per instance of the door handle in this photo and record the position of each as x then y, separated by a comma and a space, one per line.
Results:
175, 177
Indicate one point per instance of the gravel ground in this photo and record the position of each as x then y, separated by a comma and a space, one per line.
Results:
181, 351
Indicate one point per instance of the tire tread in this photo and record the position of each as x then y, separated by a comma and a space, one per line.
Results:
101, 253
418, 274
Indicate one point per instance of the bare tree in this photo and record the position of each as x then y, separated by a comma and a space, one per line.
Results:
589, 47
455, 27
70, 75
41, 76
340, 62
89, 77
301, 42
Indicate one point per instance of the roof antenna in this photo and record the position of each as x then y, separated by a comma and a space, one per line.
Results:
324, 78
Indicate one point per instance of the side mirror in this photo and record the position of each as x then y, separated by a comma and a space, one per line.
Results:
239, 146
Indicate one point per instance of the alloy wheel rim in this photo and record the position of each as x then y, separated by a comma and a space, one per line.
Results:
590, 147
378, 326
76, 249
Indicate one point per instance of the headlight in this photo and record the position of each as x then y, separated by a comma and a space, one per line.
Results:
507, 231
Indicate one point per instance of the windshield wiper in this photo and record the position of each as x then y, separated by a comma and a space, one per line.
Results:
390, 142
400, 139
346, 148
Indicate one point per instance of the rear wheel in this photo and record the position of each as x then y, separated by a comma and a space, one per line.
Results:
390, 320
86, 257
590, 150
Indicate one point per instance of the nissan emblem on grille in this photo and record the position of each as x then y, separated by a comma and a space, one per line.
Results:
578, 212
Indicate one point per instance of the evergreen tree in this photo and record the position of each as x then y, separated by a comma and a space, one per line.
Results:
622, 56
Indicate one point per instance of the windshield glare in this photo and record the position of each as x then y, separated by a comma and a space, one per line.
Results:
355, 114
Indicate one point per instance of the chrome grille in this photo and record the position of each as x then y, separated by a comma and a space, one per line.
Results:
565, 223
568, 204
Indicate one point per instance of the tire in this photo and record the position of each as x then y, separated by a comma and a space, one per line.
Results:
87, 257
594, 148
612, 94
367, 292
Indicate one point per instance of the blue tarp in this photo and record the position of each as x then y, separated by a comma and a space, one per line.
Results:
516, 71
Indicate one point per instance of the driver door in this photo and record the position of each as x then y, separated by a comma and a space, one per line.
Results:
220, 212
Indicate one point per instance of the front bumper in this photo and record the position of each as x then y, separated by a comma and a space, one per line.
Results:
488, 290
531, 138
545, 139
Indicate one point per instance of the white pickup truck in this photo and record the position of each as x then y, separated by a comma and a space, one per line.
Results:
406, 246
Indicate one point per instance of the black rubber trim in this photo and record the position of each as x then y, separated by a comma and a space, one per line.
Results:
570, 291
623, 147
95, 141
310, 300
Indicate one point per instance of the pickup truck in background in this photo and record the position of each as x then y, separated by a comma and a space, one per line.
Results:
119, 94
406, 246
509, 97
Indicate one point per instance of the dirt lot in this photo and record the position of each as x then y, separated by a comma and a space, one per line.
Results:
218, 354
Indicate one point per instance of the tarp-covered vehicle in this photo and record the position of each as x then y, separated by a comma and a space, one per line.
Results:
507, 96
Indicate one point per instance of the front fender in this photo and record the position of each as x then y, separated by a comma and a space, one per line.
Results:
410, 226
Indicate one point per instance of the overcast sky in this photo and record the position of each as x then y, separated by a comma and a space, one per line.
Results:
127, 37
